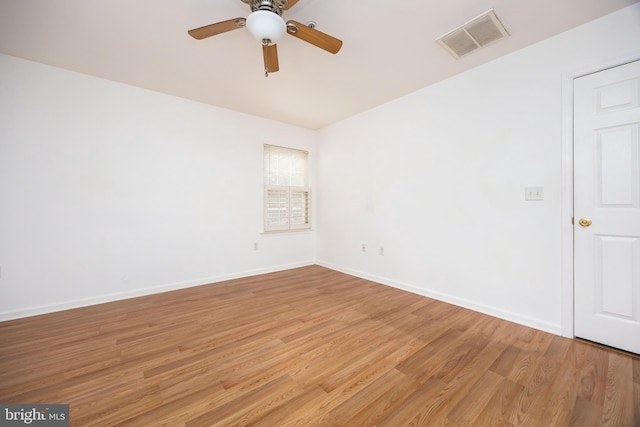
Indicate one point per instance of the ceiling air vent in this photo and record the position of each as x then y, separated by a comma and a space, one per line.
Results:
478, 32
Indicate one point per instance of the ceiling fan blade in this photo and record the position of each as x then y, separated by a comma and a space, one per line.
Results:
218, 28
313, 36
270, 54
291, 4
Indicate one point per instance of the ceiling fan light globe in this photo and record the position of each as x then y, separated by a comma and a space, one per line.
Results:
263, 24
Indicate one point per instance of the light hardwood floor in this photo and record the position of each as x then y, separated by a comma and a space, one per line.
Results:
309, 346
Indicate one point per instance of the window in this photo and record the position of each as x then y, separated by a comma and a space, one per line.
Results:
286, 193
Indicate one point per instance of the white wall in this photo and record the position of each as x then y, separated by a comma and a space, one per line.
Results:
109, 191
437, 178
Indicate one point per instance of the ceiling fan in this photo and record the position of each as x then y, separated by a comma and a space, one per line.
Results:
265, 23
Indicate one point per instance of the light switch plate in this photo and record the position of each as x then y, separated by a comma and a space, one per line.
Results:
534, 193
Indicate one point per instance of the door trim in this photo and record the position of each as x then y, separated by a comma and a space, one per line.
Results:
566, 298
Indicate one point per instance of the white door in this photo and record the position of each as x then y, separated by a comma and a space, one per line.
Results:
607, 207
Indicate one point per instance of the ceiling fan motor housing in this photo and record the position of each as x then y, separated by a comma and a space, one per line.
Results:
275, 6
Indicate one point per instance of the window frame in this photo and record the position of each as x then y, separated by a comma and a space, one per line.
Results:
285, 198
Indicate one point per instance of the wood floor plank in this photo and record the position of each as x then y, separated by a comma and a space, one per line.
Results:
369, 409
180, 410
416, 408
459, 388
535, 398
498, 409
291, 410
636, 402
618, 405
562, 393
533, 351
467, 410
240, 411
309, 347
592, 366
586, 414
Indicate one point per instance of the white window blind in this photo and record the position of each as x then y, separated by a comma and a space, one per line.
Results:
287, 195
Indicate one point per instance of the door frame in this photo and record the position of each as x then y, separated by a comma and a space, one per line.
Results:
567, 213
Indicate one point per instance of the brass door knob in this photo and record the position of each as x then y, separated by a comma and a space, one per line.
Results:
585, 222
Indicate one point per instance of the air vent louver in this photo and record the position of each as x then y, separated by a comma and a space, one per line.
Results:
473, 35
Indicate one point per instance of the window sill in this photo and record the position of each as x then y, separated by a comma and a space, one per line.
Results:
281, 232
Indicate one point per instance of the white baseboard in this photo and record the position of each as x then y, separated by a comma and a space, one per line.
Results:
67, 305
461, 302
531, 322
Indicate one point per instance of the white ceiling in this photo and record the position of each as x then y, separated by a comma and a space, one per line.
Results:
389, 48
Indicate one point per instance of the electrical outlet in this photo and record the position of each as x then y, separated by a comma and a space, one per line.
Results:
364, 248
255, 246
382, 250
